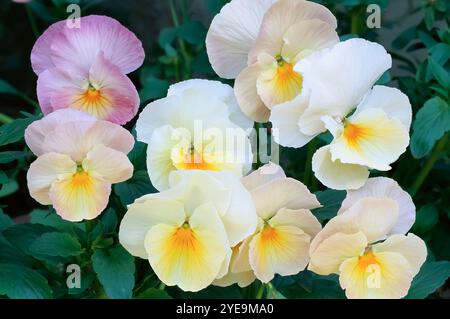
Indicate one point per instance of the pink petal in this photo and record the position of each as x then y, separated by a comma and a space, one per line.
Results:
77, 48
36, 132
40, 54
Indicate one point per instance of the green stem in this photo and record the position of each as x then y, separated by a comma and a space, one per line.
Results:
308, 168
184, 53
434, 157
162, 286
32, 21
5, 119
260, 292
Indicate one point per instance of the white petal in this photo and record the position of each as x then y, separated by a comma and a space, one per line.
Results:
381, 187
335, 174
232, 34
263, 175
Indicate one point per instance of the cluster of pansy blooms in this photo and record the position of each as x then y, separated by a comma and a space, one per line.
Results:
213, 221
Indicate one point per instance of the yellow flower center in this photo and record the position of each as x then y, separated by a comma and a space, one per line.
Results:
367, 259
94, 102
354, 133
184, 240
194, 159
81, 179
288, 83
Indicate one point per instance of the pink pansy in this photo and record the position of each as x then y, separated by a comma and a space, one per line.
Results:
84, 68
79, 157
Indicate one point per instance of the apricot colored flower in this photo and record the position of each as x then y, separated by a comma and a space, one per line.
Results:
84, 68
187, 230
285, 228
366, 243
259, 42
79, 157
370, 124
197, 126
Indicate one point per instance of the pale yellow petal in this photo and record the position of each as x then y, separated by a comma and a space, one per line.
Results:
113, 166
301, 218
81, 196
44, 171
410, 246
335, 174
279, 250
263, 175
334, 250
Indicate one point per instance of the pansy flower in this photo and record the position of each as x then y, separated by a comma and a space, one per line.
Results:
259, 42
79, 157
367, 244
85, 68
370, 124
187, 230
197, 126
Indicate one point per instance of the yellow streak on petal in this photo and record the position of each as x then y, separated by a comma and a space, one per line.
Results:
81, 180
354, 133
196, 160
288, 83
94, 102
366, 260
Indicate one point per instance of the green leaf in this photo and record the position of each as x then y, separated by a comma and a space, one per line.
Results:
193, 32
273, 293
11, 254
5, 220
56, 245
50, 218
440, 73
3, 178
331, 201
14, 131
109, 221
19, 282
22, 236
133, 188
5, 87
431, 276
317, 287
115, 270
153, 293
8, 157
426, 218
431, 123
429, 18
167, 36
9, 188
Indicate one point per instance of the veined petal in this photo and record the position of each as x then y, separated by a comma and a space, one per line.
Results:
242, 260
80, 196
247, 94
44, 171
335, 174
382, 187
285, 117
301, 218
382, 275
279, 18
263, 175
371, 139
282, 193
189, 256
411, 247
76, 48
334, 250
111, 165
307, 36
391, 100
279, 249
36, 132
142, 216
375, 217
232, 34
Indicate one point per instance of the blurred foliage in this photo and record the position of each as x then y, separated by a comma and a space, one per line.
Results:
34, 255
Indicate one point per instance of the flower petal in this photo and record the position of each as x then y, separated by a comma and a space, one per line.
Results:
371, 139
111, 165
279, 18
189, 257
284, 117
301, 218
76, 48
44, 171
338, 79
388, 278
81, 196
247, 94
334, 250
280, 249
382, 187
232, 34
142, 216
411, 247
335, 174
36, 132
391, 100
263, 175
282, 193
